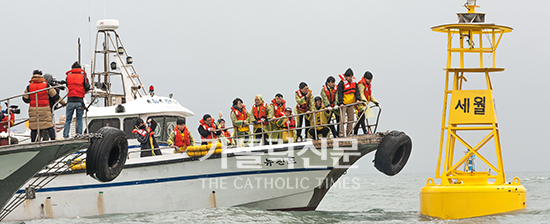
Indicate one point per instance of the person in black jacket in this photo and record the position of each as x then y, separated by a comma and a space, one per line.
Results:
207, 129
348, 94
145, 135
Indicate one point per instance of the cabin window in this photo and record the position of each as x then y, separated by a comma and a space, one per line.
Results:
96, 124
166, 124
129, 125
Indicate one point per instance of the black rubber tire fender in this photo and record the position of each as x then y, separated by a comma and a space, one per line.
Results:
393, 153
106, 156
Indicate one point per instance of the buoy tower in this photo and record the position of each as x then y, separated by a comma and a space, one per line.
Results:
469, 113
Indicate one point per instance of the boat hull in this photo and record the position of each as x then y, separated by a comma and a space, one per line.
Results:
19, 163
287, 177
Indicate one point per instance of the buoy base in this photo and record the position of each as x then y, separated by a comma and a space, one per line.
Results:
466, 201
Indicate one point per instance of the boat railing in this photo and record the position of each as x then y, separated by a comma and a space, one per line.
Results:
372, 128
233, 141
21, 121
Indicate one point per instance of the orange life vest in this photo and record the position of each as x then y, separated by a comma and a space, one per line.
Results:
303, 107
348, 87
367, 92
143, 132
290, 123
43, 96
75, 79
241, 116
277, 108
260, 112
4, 122
182, 141
331, 95
226, 133
205, 126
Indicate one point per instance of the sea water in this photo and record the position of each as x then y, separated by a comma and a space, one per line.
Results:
367, 198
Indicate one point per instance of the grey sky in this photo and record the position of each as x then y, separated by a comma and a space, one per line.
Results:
209, 52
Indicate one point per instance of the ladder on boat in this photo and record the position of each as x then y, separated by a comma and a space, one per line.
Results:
112, 47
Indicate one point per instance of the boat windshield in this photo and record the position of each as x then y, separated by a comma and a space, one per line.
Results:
165, 125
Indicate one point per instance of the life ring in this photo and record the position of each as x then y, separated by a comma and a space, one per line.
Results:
393, 153
106, 156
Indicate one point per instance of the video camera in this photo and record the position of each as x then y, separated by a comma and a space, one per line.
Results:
58, 83
14, 109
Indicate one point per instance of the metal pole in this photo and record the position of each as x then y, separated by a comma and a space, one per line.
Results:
342, 129
288, 129
261, 133
315, 125
37, 119
9, 123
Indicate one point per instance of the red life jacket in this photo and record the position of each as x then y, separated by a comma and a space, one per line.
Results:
143, 132
43, 96
179, 141
303, 107
75, 79
277, 108
205, 126
331, 95
260, 113
348, 87
290, 123
4, 122
241, 116
367, 92
226, 133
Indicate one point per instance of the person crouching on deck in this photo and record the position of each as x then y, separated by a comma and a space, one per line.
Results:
145, 135
180, 137
319, 118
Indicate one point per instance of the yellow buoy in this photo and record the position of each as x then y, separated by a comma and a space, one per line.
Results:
190, 153
469, 193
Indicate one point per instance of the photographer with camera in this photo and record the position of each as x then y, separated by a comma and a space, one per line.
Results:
5, 121
51, 81
39, 105
59, 86
78, 85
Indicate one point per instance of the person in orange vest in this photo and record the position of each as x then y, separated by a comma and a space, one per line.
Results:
304, 103
260, 112
180, 138
39, 105
348, 94
78, 85
145, 135
207, 129
289, 124
6, 122
224, 135
329, 97
276, 109
241, 120
364, 87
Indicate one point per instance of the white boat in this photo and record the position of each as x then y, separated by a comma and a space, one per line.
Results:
289, 176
